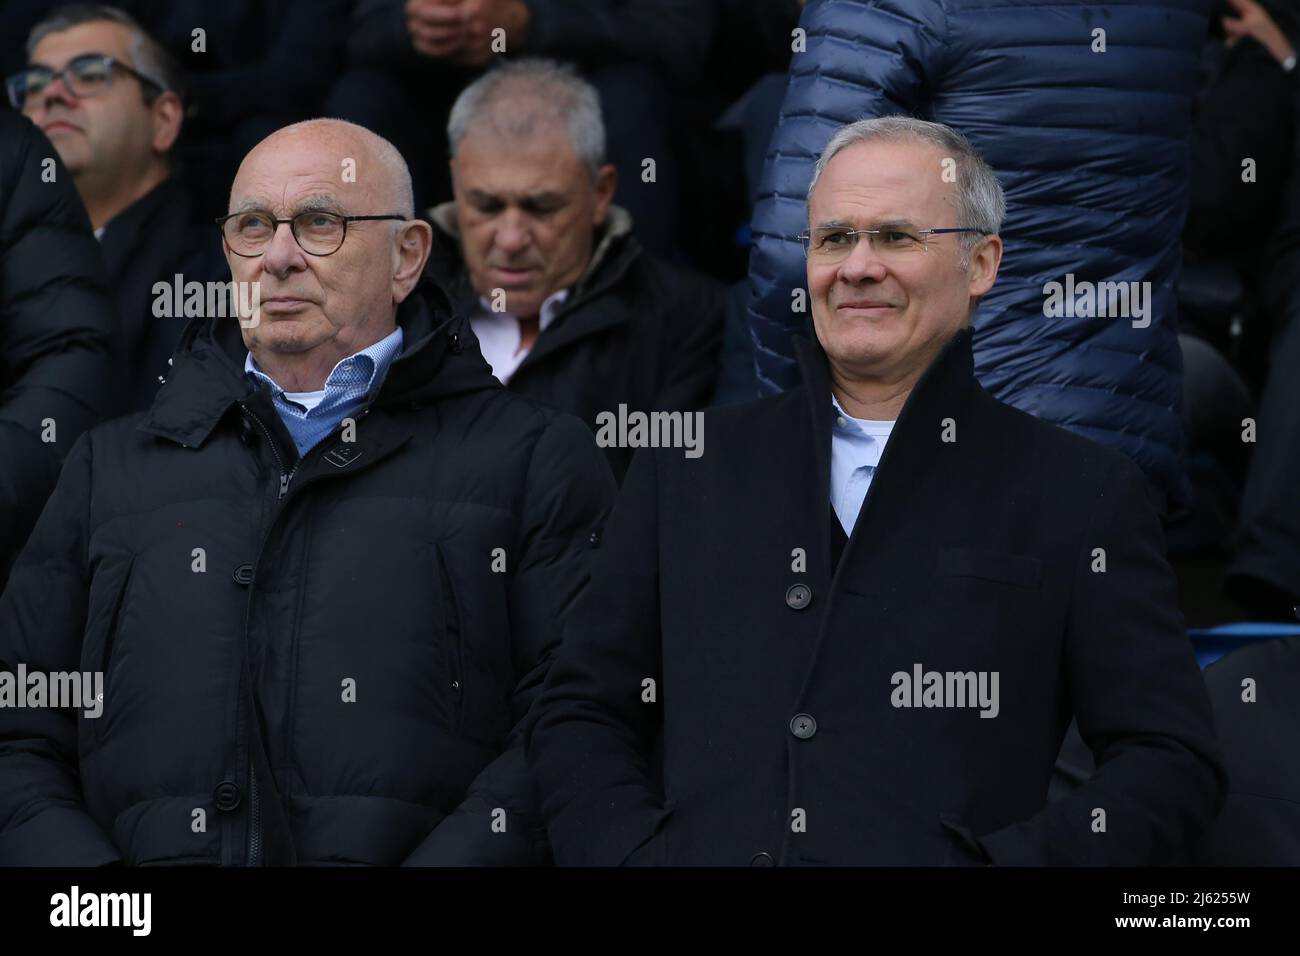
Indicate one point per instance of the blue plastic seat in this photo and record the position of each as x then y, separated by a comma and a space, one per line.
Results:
1213, 642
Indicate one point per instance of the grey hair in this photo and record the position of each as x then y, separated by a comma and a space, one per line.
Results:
518, 94
980, 202
149, 58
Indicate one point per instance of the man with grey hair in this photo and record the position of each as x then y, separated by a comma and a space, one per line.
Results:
568, 309
107, 94
322, 576
869, 650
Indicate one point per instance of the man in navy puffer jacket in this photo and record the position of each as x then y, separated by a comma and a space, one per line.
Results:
1083, 109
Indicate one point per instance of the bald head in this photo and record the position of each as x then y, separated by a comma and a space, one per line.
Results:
323, 305
375, 162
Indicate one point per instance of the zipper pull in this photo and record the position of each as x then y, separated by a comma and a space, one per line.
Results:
284, 484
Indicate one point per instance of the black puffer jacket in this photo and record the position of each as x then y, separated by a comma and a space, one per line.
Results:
55, 323
393, 649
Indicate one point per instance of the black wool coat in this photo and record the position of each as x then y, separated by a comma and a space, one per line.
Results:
724, 695
331, 657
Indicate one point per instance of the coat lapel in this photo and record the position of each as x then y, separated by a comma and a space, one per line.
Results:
916, 446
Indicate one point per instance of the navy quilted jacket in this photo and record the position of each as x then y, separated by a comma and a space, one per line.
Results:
1092, 150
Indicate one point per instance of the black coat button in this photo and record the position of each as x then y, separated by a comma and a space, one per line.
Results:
244, 575
803, 726
594, 539
798, 596
762, 859
226, 796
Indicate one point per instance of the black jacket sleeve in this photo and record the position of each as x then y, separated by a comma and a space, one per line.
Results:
1140, 702
377, 35
42, 618
569, 493
672, 35
592, 741
56, 319
299, 61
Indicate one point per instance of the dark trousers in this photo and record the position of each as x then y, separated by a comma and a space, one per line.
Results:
1268, 537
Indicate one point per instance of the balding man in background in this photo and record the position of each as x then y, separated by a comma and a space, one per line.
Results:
322, 576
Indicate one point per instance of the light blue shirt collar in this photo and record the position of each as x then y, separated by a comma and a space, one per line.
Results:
350, 382
360, 369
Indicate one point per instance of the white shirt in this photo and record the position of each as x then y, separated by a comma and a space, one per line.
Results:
856, 447
499, 337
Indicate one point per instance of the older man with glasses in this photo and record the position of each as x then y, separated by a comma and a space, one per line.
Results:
867, 648
322, 578
108, 95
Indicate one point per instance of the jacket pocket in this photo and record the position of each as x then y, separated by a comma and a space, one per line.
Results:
451, 641
1017, 570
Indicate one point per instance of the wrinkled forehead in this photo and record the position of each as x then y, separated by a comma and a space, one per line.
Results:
885, 181
293, 173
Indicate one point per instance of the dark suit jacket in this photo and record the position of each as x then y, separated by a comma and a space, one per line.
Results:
151, 241
775, 715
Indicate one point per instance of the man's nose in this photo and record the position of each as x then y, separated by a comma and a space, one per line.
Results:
863, 263
512, 234
56, 91
283, 254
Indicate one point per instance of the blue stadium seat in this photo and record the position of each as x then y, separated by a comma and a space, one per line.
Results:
1211, 643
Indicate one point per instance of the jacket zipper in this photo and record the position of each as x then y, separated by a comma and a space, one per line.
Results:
254, 802
285, 476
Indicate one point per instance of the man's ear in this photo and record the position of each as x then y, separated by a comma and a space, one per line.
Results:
984, 261
168, 111
606, 184
413, 242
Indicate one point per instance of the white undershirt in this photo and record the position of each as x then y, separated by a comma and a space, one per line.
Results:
307, 400
499, 337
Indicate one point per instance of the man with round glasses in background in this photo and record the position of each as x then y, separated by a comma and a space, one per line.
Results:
108, 96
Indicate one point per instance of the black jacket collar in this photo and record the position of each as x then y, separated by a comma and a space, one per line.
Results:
438, 360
